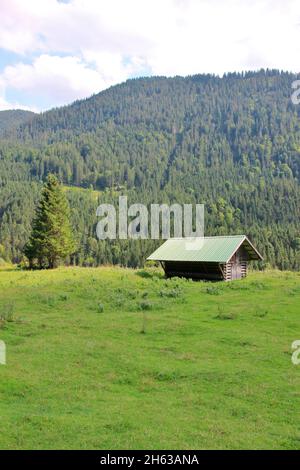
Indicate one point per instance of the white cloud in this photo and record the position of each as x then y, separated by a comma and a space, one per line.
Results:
111, 66
5, 104
106, 41
61, 78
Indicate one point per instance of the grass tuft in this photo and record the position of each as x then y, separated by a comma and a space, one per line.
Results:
6, 314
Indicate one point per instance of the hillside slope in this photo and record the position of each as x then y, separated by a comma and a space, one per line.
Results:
13, 118
232, 143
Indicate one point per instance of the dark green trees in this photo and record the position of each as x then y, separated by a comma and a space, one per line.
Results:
51, 239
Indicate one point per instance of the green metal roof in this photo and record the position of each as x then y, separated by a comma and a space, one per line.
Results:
207, 249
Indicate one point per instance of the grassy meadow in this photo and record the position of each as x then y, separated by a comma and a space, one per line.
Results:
113, 358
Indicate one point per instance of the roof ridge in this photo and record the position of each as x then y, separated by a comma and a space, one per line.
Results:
214, 236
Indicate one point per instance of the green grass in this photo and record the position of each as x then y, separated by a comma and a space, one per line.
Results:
78, 189
113, 358
94, 193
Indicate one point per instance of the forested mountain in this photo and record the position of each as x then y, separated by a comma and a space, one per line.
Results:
13, 118
232, 143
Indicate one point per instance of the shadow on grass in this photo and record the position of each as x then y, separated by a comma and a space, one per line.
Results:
147, 274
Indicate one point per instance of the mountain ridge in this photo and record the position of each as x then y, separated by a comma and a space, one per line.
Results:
232, 143
13, 118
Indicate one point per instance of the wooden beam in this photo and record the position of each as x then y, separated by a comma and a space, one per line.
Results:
163, 266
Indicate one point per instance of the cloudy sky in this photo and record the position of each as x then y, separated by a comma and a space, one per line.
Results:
53, 52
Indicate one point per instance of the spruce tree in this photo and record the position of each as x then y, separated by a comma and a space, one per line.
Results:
51, 239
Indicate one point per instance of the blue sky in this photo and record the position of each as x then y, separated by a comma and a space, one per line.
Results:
54, 52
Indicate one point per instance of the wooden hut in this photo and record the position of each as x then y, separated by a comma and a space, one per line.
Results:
211, 258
